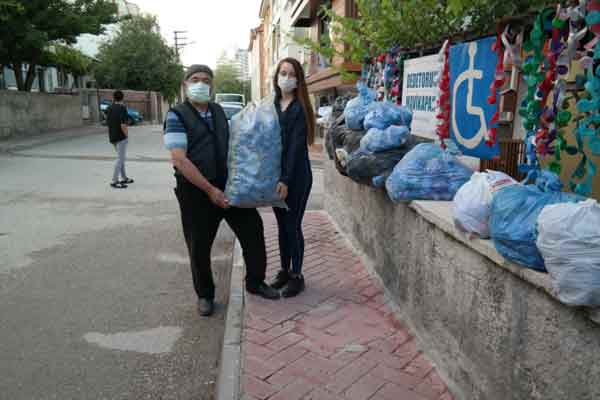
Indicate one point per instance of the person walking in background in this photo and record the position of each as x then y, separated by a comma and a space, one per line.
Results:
297, 121
118, 134
197, 135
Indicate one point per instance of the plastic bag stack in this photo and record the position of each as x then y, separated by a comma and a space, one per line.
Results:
569, 241
254, 161
427, 173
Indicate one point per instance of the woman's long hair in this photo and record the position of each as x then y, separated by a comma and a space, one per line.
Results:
301, 93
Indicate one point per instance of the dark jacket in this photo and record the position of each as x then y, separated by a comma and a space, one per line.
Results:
206, 148
295, 163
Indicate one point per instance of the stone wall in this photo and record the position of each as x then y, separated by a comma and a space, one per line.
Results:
23, 114
493, 329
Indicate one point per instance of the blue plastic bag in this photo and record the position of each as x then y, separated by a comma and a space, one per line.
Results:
427, 173
513, 222
358, 107
377, 140
384, 114
254, 160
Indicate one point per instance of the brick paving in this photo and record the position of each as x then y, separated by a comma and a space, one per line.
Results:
336, 341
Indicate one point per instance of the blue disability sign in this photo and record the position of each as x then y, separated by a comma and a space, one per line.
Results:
472, 67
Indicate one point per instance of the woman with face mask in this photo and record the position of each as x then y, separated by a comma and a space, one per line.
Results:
297, 121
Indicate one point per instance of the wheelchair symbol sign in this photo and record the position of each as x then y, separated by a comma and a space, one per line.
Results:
472, 67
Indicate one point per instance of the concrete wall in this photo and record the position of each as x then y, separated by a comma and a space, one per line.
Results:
24, 113
493, 334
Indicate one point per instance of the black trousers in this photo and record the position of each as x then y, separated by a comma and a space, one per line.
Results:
289, 222
201, 219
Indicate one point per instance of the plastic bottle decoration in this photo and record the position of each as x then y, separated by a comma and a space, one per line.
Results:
581, 179
531, 107
389, 72
499, 78
443, 128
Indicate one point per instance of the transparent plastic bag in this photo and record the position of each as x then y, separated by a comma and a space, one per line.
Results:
384, 114
377, 140
427, 173
254, 162
472, 203
569, 241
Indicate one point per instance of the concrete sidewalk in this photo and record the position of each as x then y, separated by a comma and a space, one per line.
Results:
337, 340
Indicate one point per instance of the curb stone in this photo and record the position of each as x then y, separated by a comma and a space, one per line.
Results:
229, 379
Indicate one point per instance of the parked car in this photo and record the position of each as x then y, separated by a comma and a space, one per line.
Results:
230, 98
133, 115
231, 109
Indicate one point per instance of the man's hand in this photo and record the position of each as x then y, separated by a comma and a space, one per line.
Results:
282, 190
218, 198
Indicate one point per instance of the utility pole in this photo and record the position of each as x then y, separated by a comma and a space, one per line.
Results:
180, 43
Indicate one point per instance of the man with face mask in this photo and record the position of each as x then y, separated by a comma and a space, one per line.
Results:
197, 135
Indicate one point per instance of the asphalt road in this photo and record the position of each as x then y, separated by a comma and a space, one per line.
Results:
96, 299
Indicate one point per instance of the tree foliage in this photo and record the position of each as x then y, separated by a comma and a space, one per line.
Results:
138, 58
30, 27
70, 60
384, 24
227, 80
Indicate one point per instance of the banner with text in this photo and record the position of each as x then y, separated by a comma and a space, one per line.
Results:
420, 93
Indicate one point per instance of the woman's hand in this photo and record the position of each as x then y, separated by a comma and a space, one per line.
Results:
282, 190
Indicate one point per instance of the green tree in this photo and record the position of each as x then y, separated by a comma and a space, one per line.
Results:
227, 80
70, 60
413, 24
138, 58
30, 27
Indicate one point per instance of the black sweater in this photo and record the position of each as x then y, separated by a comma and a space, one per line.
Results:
294, 133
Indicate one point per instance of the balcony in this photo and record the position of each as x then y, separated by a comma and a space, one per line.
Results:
303, 12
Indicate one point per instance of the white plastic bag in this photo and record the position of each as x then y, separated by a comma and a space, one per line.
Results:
472, 202
569, 241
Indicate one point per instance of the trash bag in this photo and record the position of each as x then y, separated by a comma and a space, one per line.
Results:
340, 142
513, 222
357, 108
254, 161
372, 168
363, 166
377, 140
384, 114
427, 173
334, 138
569, 241
472, 203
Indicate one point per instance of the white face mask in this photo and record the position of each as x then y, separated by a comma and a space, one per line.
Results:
198, 92
287, 84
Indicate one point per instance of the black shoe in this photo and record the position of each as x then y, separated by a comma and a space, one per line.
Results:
118, 185
281, 279
206, 307
294, 286
263, 290
127, 181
